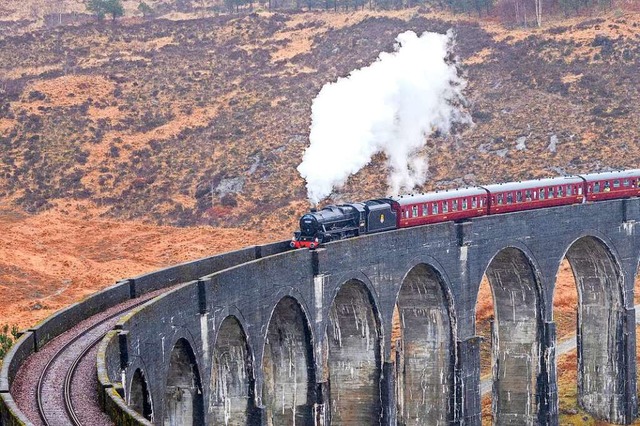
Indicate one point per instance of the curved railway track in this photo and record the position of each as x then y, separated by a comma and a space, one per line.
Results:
50, 390
54, 388
68, 400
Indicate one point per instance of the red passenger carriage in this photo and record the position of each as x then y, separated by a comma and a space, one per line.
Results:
533, 194
439, 206
609, 185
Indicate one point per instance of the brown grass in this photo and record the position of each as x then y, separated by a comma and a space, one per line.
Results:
50, 260
6, 125
479, 57
67, 91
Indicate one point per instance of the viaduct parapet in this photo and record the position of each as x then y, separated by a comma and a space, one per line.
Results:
380, 329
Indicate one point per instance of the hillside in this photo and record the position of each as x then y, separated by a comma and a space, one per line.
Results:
204, 121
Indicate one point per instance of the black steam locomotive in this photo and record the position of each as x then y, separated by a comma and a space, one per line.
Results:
344, 221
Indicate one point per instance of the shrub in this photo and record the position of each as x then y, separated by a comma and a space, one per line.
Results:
7, 337
229, 200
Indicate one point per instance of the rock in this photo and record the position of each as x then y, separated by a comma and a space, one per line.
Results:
229, 185
558, 171
502, 152
254, 166
553, 143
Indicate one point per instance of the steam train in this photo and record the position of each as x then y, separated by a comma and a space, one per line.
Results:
350, 220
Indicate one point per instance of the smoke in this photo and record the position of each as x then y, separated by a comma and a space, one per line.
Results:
391, 106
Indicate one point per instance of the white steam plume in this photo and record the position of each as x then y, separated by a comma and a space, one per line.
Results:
390, 106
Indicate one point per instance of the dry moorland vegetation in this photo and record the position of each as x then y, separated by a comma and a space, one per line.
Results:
202, 122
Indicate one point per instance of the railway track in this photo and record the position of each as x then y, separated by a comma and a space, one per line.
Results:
68, 400
56, 386
54, 393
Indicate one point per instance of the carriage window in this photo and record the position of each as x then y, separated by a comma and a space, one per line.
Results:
568, 190
607, 187
499, 198
474, 203
535, 195
454, 205
550, 193
596, 187
509, 198
415, 211
527, 195
434, 208
425, 210
482, 202
406, 214
445, 207
464, 204
559, 191
519, 196
616, 183
542, 194
579, 190
625, 182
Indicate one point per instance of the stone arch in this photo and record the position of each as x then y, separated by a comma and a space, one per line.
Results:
354, 356
288, 367
599, 335
183, 403
515, 337
232, 381
424, 352
139, 396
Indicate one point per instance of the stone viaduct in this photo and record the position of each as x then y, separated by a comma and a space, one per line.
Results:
380, 329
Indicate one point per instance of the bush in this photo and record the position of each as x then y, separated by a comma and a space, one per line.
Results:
7, 337
229, 200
